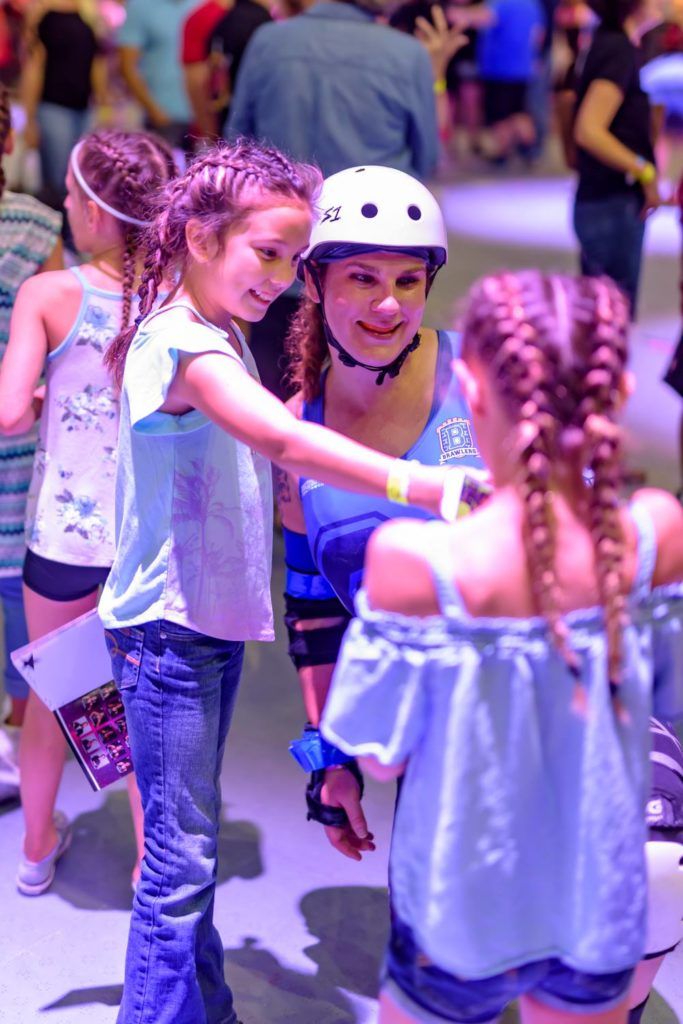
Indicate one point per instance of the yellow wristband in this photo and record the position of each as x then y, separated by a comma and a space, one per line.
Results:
398, 481
439, 86
646, 172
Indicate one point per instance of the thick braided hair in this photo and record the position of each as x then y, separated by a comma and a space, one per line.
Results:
5, 129
218, 191
556, 349
126, 169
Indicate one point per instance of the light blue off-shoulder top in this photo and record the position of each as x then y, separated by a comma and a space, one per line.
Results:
520, 829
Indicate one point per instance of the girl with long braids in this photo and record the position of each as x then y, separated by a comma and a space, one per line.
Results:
63, 323
191, 578
29, 243
505, 664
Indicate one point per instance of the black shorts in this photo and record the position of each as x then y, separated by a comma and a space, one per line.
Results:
503, 100
674, 375
59, 582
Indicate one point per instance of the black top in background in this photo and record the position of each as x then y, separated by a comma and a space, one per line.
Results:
614, 58
70, 47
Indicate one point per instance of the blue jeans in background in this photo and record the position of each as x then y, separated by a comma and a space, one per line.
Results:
611, 233
60, 129
15, 634
179, 690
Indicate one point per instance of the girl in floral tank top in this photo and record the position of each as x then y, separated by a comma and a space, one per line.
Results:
62, 325
70, 512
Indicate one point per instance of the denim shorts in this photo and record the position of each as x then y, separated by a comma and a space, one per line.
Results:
432, 995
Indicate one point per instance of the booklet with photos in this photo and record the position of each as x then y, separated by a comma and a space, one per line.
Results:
60, 667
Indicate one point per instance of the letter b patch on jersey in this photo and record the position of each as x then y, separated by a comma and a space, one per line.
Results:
455, 439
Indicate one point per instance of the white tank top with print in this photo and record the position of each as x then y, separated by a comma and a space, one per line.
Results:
70, 511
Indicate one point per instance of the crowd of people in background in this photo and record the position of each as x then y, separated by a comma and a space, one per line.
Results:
175, 66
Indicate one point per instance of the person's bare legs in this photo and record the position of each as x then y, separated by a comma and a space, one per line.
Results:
42, 746
532, 1011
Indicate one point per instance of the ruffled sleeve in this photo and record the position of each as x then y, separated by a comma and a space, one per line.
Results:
377, 701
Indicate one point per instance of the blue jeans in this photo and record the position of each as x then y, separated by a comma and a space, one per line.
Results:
15, 632
538, 102
60, 130
179, 690
610, 233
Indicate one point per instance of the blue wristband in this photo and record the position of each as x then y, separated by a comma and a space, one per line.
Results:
313, 752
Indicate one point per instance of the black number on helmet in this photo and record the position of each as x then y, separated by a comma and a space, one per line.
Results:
332, 213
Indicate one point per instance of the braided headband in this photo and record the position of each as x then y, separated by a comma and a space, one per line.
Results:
96, 199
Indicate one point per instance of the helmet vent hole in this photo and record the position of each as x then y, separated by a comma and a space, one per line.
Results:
414, 212
369, 210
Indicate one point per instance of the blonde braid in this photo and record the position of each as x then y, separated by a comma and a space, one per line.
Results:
528, 374
556, 350
605, 366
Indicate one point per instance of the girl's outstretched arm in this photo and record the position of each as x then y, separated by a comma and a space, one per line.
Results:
24, 359
223, 390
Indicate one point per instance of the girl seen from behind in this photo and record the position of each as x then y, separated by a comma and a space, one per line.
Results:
517, 703
63, 322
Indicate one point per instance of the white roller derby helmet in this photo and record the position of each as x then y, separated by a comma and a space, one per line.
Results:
371, 208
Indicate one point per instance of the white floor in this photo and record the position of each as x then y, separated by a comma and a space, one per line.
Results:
303, 928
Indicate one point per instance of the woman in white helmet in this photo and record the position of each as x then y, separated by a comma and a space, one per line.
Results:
364, 362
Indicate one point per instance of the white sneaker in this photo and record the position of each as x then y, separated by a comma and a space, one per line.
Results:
9, 768
35, 876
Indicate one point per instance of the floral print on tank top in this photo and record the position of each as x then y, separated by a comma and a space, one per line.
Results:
71, 501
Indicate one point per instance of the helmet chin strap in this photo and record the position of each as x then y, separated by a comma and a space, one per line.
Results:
391, 369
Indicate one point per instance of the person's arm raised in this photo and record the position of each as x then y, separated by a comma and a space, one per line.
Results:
221, 388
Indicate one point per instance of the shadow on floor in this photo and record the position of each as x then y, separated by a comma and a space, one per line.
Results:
104, 995
350, 925
104, 837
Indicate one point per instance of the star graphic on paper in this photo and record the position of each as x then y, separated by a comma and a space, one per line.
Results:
29, 662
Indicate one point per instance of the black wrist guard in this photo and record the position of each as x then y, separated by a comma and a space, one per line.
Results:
324, 813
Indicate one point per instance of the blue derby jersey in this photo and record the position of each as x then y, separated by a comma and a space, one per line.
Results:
339, 523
